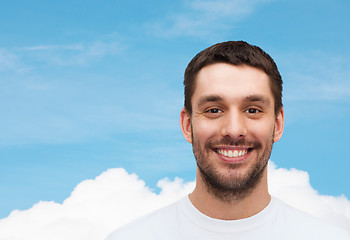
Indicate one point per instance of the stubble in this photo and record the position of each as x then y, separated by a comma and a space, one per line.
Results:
232, 185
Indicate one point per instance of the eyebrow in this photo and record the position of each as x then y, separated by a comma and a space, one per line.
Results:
211, 98
251, 98
257, 98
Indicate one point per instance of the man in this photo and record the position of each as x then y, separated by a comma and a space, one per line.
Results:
232, 116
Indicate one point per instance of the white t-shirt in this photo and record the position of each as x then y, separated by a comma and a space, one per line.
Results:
182, 221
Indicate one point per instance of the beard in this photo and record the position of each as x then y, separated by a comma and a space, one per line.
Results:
232, 184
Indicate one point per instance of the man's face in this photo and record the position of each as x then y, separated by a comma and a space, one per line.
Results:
232, 126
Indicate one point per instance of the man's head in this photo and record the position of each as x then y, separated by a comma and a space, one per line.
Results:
235, 53
233, 117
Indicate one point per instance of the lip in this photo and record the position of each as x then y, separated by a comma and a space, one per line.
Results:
233, 154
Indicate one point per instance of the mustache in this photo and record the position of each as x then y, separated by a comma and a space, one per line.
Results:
228, 141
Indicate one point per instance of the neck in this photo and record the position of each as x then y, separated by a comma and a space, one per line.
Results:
238, 208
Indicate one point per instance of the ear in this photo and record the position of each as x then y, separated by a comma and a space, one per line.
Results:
279, 125
185, 123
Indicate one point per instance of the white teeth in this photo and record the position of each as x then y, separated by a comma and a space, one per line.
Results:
230, 153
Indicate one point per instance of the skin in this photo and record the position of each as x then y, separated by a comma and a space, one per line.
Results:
232, 110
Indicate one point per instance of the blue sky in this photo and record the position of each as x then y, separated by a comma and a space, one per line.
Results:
86, 86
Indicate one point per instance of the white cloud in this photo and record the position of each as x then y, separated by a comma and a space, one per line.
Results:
51, 112
98, 206
315, 76
201, 18
75, 54
293, 186
316, 83
225, 8
9, 61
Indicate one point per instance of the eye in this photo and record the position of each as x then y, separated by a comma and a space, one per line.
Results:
213, 113
214, 110
252, 111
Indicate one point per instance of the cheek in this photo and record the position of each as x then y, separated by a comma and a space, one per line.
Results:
204, 130
262, 130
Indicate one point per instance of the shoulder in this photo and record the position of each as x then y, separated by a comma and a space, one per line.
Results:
148, 226
303, 223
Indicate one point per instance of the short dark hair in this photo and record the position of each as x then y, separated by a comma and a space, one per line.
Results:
235, 53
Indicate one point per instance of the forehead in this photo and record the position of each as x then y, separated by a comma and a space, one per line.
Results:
231, 82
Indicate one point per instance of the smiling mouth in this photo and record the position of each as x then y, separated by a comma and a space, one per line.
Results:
233, 153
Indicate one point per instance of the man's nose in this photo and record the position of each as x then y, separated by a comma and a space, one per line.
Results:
233, 125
